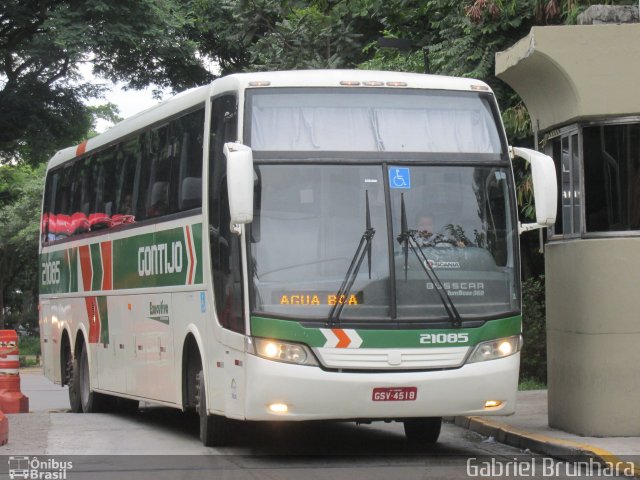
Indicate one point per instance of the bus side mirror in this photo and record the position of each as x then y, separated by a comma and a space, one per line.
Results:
545, 187
239, 184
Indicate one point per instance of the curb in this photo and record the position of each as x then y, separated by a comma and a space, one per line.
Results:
550, 446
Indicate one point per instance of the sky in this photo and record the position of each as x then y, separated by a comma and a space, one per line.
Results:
129, 102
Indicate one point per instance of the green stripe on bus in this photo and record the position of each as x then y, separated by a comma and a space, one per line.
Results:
55, 274
104, 320
159, 259
286, 330
73, 269
96, 264
314, 337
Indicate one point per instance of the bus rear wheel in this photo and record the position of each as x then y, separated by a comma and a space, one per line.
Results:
73, 379
422, 430
213, 428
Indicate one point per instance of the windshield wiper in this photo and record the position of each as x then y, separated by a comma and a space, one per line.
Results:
408, 240
364, 246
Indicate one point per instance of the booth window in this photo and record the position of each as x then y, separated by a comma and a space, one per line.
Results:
565, 150
612, 177
598, 173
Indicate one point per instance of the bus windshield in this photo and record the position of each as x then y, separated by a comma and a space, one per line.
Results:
309, 220
371, 120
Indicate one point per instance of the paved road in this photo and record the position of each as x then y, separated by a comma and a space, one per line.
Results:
159, 443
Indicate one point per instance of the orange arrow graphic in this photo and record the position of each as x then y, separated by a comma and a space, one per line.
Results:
343, 338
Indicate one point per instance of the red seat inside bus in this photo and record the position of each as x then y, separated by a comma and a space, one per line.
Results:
99, 221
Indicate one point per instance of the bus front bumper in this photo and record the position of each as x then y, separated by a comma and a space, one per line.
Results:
310, 393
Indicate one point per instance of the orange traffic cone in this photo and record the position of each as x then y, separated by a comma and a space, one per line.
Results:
4, 429
12, 400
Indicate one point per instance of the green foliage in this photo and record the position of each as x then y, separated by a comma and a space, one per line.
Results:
533, 363
28, 345
106, 111
524, 189
26, 362
278, 35
19, 230
42, 43
393, 60
517, 121
305, 38
170, 43
531, 384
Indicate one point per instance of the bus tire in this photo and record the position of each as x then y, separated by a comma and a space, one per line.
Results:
73, 376
92, 402
213, 428
422, 430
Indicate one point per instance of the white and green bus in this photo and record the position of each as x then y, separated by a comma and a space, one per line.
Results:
309, 245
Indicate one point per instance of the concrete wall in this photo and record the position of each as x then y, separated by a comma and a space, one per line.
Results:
593, 336
567, 73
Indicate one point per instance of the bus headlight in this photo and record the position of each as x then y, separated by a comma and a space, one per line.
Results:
493, 349
281, 351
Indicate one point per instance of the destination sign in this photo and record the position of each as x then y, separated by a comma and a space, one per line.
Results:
315, 298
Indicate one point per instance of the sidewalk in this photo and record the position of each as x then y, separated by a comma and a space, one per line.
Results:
529, 429
43, 395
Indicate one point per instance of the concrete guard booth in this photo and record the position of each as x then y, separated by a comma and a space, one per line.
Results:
581, 86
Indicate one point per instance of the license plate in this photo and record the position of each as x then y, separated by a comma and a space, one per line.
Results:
394, 394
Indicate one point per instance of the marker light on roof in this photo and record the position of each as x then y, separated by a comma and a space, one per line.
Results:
261, 83
349, 83
480, 87
396, 84
372, 83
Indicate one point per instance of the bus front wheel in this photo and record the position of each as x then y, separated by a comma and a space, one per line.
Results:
213, 428
422, 430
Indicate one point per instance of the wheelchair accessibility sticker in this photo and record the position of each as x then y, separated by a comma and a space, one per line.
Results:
399, 177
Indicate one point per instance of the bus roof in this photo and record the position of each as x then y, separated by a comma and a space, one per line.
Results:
241, 81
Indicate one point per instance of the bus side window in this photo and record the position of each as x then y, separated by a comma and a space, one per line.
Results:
109, 165
159, 173
102, 205
128, 158
82, 192
141, 182
62, 205
189, 131
225, 247
48, 217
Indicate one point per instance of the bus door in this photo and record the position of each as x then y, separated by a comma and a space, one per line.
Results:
226, 258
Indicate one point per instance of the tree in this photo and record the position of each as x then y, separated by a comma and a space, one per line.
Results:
255, 35
20, 199
42, 44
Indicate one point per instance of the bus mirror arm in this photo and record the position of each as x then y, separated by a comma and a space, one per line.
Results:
527, 227
240, 185
545, 187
